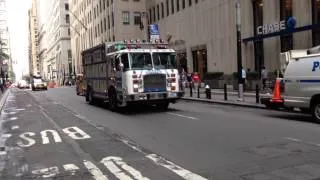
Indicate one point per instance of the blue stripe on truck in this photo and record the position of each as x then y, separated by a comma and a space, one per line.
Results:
310, 81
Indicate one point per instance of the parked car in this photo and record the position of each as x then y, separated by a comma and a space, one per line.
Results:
38, 84
23, 84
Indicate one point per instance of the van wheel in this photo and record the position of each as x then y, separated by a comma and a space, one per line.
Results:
112, 98
316, 111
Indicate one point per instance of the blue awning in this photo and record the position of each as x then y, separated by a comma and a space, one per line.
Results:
281, 33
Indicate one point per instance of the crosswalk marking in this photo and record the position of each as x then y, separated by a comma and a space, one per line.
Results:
95, 171
71, 168
110, 163
185, 174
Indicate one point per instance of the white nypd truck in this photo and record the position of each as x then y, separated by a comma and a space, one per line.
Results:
302, 81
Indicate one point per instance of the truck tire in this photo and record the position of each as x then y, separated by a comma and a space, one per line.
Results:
316, 111
112, 98
163, 106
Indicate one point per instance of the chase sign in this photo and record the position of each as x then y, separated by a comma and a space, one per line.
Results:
277, 26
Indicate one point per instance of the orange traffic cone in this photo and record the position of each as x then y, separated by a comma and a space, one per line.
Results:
277, 93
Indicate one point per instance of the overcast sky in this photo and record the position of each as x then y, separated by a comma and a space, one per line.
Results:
18, 28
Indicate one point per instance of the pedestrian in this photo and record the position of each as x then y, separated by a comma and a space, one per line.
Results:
264, 77
2, 84
243, 78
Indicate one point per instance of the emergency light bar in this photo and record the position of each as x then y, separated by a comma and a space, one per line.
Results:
132, 44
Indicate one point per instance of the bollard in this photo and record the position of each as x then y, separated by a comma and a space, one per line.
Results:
208, 92
198, 91
225, 92
191, 93
257, 94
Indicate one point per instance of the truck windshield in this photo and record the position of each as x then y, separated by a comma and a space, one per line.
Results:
140, 61
164, 61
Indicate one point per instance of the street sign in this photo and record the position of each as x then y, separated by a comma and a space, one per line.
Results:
154, 32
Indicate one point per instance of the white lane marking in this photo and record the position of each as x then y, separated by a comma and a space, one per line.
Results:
71, 168
76, 133
110, 165
95, 171
185, 174
188, 117
14, 127
3, 153
13, 118
54, 133
299, 140
20, 109
13, 112
47, 172
30, 141
117, 172
293, 139
6, 135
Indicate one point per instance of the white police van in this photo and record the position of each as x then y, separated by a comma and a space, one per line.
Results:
302, 82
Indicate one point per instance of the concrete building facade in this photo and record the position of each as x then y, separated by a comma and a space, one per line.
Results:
96, 21
6, 66
204, 31
57, 64
34, 64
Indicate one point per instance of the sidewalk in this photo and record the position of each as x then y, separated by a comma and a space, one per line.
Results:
217, 96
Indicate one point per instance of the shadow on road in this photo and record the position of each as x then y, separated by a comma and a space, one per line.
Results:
136, 109
294, 117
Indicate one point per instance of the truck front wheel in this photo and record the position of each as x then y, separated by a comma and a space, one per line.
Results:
163, 105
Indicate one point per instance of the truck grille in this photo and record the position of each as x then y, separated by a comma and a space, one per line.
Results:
155, 83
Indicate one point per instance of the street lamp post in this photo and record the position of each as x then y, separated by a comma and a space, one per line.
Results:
239, 54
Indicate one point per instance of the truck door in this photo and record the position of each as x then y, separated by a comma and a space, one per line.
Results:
119, 67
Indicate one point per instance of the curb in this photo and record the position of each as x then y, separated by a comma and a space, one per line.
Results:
4, 99
232, 103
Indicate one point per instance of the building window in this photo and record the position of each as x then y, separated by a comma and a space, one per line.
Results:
107, 3
105, 24
137, 18
100, 5
178, 5
67, 18
162, 10
183, 4
154, 14
101, 26
158, 12
109, 22
167, 4
112, 18
316, 20
196, 1
150, 16
104, 4
66, 6
190, 2
126, 17
285, 13
69, 32
172, 6
258, 45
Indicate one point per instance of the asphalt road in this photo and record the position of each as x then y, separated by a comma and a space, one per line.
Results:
56, 134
